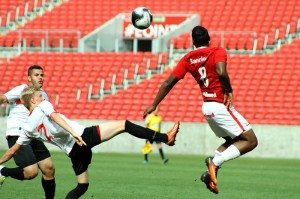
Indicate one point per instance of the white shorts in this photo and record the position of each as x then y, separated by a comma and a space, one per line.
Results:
224, 122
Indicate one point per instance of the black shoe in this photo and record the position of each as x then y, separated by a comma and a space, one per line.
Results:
205, 177
212, 169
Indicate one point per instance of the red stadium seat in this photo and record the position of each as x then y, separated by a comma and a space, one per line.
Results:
255, 79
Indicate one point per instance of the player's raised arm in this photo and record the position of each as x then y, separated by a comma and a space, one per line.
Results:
61, 122
164, 89
10, 153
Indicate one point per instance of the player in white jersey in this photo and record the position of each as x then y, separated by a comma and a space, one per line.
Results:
75, 140
35, 155
208, 67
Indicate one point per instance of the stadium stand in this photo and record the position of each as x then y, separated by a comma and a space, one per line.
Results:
264, 17
12, 11
75, 72
264, 88
241, 21
265, 85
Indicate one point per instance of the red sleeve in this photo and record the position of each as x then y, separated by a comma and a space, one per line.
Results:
181, 69
220, 55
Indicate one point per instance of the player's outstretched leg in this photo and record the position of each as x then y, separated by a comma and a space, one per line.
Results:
212, 169
111, 129
146, 133
205, 177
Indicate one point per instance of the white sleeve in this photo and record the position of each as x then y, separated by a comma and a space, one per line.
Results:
23, 139
14, 94
46, 107
34, 120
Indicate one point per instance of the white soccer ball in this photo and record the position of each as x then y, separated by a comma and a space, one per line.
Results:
141, 18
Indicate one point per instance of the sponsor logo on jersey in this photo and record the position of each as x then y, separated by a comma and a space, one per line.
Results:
206, 94
198, 60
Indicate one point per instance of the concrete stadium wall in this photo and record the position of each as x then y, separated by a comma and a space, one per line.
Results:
197, 138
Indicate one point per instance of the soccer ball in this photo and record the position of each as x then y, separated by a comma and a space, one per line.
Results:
141, 18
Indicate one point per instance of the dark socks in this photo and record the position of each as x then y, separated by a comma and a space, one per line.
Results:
161, 154
78, 191
16, 173
49, 188
144, 133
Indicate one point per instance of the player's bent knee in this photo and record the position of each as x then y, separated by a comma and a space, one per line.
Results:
254, 142
47, 167
251, 138
30, 172
49, 171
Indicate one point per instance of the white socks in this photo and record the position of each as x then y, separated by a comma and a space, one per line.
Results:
230, 153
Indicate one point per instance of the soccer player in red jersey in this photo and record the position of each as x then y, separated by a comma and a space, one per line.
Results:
208, 66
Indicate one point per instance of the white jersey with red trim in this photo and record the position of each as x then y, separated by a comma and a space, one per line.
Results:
40, 126
18, 113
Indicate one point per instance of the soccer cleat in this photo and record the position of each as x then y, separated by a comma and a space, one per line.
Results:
172, 134
2, 178
212, 169
165, 160
205, 177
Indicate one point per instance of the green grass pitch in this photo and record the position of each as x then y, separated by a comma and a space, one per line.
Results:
125, 176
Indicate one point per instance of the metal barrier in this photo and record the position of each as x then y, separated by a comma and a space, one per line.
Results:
54, 40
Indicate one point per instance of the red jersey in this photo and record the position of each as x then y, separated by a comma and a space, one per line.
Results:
201, 63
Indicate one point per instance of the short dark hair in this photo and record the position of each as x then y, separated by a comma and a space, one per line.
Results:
33, 67
200, 36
